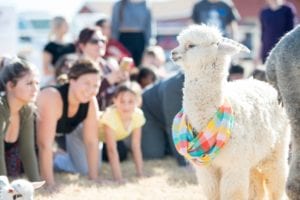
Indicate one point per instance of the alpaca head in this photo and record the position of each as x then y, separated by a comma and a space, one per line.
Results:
201, 47
24, 189
6, 191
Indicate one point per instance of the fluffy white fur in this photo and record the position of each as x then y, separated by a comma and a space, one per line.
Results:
257, 150
20, 189
6, 191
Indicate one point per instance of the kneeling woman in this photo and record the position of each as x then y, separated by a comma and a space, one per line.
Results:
62, 110
18, 88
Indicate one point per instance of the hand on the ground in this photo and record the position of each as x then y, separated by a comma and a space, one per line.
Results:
102, 181
142, 175
51, 188
120, 181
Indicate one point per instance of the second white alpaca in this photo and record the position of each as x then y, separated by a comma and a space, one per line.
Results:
6, 191
19, 189
25, 189
256, 152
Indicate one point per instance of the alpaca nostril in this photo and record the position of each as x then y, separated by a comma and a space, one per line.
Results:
175, 56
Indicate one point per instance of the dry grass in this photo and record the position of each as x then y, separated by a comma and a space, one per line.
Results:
166, 181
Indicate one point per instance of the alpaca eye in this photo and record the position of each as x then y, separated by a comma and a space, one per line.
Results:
191, 46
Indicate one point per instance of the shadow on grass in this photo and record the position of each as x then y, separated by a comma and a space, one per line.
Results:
166, 170
176, 175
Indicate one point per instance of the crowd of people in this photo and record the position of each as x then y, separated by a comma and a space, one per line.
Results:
107, 94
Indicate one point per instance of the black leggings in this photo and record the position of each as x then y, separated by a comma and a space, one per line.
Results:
135, 44
122, 151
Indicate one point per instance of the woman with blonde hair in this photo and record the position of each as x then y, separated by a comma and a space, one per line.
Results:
56, 47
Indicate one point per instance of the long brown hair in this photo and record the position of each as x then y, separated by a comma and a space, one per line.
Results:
12, 69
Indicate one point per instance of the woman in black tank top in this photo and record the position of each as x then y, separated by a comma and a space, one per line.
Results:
61, 109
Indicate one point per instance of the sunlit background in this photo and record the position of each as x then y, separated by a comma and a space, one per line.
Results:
25, 24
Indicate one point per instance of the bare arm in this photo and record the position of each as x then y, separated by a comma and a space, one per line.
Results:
90, 138
47, 117
136, 151
47, 65
112, 152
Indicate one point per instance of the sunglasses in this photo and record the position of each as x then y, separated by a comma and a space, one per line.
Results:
97, 41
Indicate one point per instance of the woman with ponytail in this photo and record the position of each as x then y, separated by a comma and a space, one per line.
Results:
19, 88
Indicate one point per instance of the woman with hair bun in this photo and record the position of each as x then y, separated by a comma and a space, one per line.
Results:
18, 88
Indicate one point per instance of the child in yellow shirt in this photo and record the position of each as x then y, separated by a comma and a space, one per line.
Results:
122, 119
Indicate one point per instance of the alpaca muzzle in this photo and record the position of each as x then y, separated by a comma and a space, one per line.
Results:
175, 56
16, 196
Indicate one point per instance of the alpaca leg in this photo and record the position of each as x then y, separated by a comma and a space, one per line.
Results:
275, 172
275, 178
256, 187
208, 178
293, 182
235, 184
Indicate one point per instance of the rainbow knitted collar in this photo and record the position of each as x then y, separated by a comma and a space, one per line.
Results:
205, 145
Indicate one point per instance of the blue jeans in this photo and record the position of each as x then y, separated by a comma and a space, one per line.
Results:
74, 160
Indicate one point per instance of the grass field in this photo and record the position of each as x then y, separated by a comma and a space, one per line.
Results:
166, 180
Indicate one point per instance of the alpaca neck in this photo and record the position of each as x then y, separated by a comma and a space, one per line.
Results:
202, 96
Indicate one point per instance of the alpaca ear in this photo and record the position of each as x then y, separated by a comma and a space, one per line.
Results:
231, 47
37, 185
4, 181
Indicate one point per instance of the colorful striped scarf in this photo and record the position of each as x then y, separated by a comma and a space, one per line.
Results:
205, 145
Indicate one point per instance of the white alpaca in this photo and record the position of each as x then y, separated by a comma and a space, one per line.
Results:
19, 189
6, 191
257, 148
